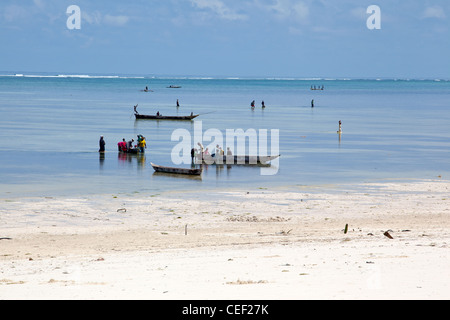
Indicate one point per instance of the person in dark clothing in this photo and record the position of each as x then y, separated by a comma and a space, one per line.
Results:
102, 144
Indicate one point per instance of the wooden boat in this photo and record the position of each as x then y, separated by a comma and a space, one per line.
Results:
238, 159
155, 117
197, 171
132, 151
174, 87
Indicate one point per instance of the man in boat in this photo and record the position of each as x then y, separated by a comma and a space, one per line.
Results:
252, 104
102, 144
130, 144
216, 152
135, 111
158, 114
200, 156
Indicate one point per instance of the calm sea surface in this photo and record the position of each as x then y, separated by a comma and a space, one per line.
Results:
50, 127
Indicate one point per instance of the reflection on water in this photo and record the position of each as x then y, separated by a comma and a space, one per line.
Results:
131, 158
101, 156
174, 175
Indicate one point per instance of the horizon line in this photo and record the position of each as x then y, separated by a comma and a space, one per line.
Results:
31, 74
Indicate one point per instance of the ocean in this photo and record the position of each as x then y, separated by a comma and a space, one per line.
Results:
50, 126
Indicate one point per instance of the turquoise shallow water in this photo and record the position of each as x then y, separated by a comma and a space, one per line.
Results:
50, 128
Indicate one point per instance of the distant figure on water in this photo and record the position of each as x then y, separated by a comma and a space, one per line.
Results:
178, 104
340, 127
135, 111
262, 104
252, 104
312, 103
218, 152
101, 144
122, 145
201, 150
130, 144
141, 143
146, 89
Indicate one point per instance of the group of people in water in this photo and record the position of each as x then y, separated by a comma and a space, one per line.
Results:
128, 147
252, 104
202, 153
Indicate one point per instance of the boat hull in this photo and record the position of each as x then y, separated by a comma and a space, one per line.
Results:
155, 117
194, 172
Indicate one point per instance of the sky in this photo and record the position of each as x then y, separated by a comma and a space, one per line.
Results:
229, 38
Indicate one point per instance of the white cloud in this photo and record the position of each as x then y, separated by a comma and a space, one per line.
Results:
434, 12
96, 18
300, 11
116, 20
288, 9
91, 18
219, 8
14, 12
39, 3
359, 13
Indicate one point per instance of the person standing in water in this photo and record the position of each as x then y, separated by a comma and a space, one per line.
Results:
101, 144
142, 144
312, 103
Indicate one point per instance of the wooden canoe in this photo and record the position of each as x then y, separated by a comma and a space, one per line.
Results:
155, 117
131, 151
197, 171
238, 159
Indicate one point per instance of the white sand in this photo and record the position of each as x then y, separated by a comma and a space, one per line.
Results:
265, 244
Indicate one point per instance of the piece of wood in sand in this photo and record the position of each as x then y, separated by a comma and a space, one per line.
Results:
388, 235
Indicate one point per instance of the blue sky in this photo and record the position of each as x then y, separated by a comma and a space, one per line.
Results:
234, 38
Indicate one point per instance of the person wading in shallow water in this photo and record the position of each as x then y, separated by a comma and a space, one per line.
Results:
101, 144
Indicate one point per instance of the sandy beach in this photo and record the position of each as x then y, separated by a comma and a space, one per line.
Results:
387, 240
